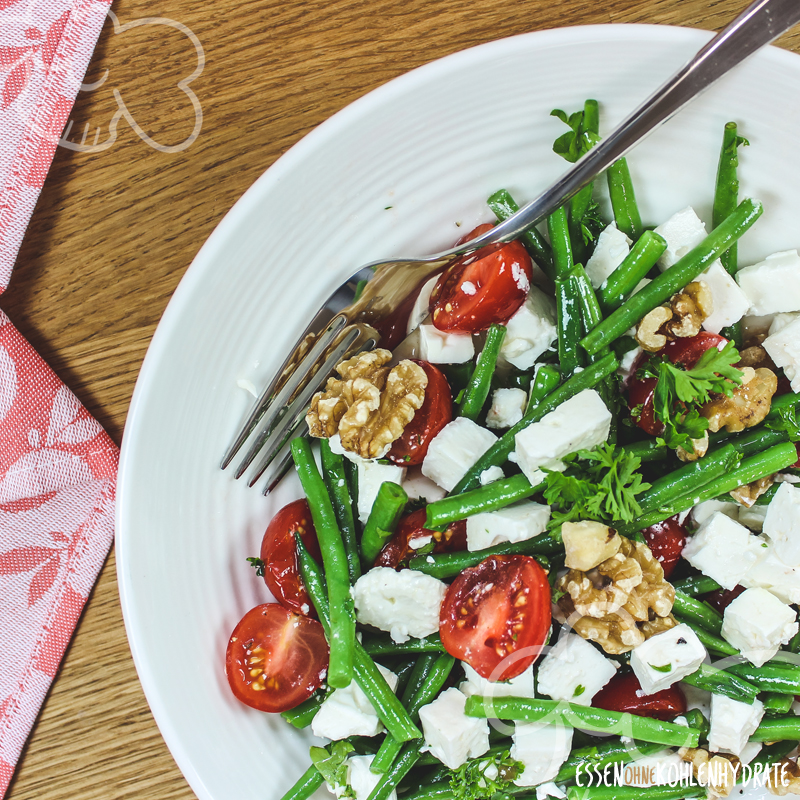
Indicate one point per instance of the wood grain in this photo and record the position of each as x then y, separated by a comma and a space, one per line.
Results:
114, 231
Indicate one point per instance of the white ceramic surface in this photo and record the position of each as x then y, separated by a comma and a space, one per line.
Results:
431, 146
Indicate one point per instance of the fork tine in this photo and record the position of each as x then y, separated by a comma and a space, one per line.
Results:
296, 412
284, 465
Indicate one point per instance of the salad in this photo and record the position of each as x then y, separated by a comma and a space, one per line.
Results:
555, 534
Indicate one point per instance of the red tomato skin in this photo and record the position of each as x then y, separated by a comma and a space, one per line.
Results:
507, 619
640, 401
501, 275
666, 541
398, 549
687, 351
287, 649
620, 694
722, 598
279, 554
436, 412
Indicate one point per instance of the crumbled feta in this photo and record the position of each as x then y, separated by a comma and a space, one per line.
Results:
756, 623
422, 305
683, 231
702, 511
416, 485
732, 723
405, 603
782, 524
452, 736
335, 443
441, 347
520, 276
610, 251
574, 670
773, 284
468, 287
753, 517
530, 331
772, 574
360, 779
783, 348
667, 657
348, 712
583, 422
520, 686
514, 523
780, 321
550, 789
542, 748
729, 302
749, 752
723, 549
508, 406
371, 475
491, 475
454, 450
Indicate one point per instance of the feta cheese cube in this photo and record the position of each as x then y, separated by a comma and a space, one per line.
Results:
730, 303
441, 347
360, 779
418, 486
530, 331
452, 736
683, 231
783, 348
611, 250
723, 549
491, 475
508, 406
702, 511
756, 623
405, 603
697, 698
583, 422
454, 450
574, 670
520, 686
628, 363
422, 304
667, 657
732, 723
371, 475
752, 517
780, 321
782, 524
514, 523
550, 789
776, 577
348, 712
749, 752
773, 284
542, 748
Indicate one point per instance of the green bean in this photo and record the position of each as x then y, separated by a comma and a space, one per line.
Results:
569, 327
709, 641
334, 559
749, 443
777, 729
688, 478
545, 380
429, 681
719, 681
598, 756
696, 584
367, 675
434, 791
581, 287
647, 450
580, 202
503, 205
627, 276
614, 792
448, 565
584, 717
623, 200
302, 715
670, 281
386, 512
766, 498
498, 452
307, 784
384, 645
699, 612
558, 232
770, 677
696, 719
481, 381
777, 704
333, 473
399, 769
478, 501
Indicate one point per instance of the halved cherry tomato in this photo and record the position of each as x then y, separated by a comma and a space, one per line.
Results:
436, 411
393, 326
622, 693
687, 352
276, 659
482, 288
279, 554
722, 598
410, 529
496, 616
666, 541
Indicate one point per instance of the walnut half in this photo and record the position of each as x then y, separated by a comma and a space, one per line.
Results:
684, 317
371, 405
784, 778
747, 406
718, 772
621, 602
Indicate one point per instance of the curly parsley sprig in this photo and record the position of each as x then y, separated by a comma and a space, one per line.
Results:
481, 778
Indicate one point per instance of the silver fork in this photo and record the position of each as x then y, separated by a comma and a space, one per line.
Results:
345, 324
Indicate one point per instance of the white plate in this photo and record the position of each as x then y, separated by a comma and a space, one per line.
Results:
394, 173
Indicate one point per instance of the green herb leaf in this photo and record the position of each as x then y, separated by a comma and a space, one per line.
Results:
332, 764
481, 778
572, 145
258, 565
787, 421
662, 668
579, 690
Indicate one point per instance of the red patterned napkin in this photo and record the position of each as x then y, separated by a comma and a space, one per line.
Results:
57, 466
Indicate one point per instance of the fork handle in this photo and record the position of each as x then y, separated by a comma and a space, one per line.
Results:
758, 25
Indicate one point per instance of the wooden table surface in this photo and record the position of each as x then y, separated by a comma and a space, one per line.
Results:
114, 231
